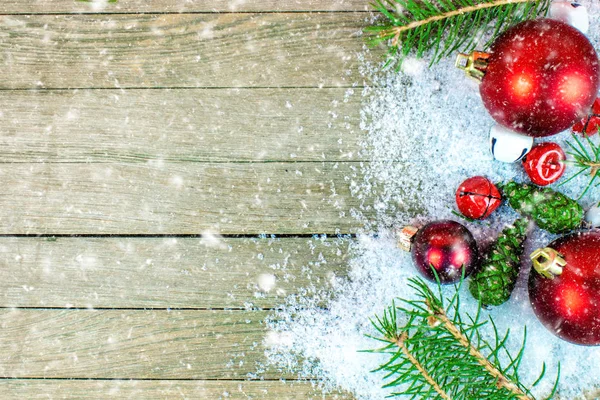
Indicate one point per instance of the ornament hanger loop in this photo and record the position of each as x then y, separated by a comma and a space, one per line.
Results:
474, 64
548, 262
405, 237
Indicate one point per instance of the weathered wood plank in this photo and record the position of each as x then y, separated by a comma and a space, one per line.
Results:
179, 125
166, 198
91, 344
181, 50
132, 344
162, 389
170, 6
208, 272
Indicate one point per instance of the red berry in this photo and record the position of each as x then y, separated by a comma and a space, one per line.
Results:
591, 123
477, 197
446, 247
541, 77
545, 163
569, 304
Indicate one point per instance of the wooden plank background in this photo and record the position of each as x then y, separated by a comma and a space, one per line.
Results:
167, 6
149, 151
214, 50
176, 125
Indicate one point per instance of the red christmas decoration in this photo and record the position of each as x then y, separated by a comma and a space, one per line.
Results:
545, 163
540, 78
564, 288
590, 124
477, 197
446, 246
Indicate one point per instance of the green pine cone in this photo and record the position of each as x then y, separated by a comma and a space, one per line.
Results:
495, 280
552, 211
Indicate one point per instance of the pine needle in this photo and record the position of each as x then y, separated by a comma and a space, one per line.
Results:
437, 354
445, 26
586, 157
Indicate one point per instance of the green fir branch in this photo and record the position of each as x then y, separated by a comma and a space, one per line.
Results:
436, 352
586, 157
445, 26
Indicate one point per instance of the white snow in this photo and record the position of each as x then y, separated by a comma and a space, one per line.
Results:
426, 130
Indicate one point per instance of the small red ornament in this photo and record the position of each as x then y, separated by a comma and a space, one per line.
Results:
446, 246
477, 197
541, 77
591, 123
564, 287
545, 163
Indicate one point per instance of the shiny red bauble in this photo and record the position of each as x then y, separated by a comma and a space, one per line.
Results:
477, 197
541, 77
545, 164
446, 247
569, 304
591, 123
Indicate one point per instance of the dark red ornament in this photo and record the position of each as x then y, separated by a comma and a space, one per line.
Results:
541, 77
477, 197
590, 124
447, 247
564, 287
545, 163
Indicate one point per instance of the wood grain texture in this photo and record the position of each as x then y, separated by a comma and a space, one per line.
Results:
180, 125
170, 6
181, 50
163, 389
164, 198
208, 272
127, 344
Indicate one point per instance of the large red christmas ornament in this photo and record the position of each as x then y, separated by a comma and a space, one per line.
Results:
564, 287
545, 163
444, 246
590, 124
477, 197
540, 77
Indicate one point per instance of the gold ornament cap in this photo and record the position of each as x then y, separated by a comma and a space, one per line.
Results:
474, 64
405, 237
548, 262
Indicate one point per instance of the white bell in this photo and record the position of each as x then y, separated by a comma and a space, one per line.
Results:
592, 217
508, 146
571, 13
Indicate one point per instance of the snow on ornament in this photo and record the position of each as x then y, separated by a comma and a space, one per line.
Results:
572, 13
445, 249
508, 146
540, 77
564, 287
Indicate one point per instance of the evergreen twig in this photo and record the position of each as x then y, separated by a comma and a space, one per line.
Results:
445, 26
586, 157
437, 353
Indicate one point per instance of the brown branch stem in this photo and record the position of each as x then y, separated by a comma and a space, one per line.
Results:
594, 167
400, 343
501, 380
397, 30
